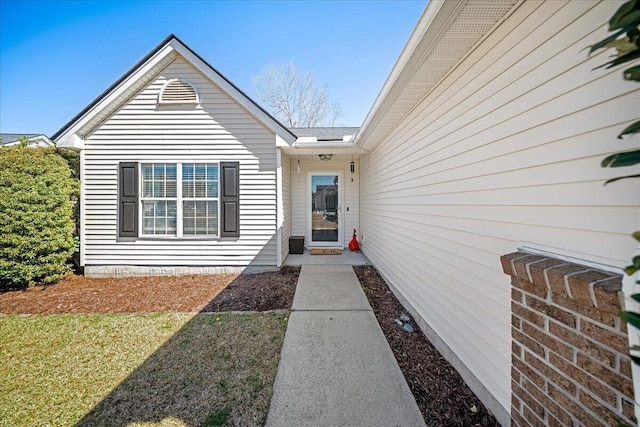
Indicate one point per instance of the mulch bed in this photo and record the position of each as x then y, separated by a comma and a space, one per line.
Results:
258, 292
442, 395
78, 294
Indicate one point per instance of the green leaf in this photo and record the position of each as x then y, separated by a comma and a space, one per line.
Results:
636, 235
636, 297
626, 158
625, 15
635, 359
631, 318
609, 181
603, 43
633, 55
632, 73
632, 128
623, 45
630, 270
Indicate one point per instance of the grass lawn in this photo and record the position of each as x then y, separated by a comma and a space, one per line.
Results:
138, 369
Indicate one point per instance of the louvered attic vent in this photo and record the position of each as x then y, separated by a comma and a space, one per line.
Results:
178, 92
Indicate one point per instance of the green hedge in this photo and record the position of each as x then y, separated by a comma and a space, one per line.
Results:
37, 193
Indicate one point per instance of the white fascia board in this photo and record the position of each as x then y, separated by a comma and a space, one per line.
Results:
70, 138
429, 22
42, 141
306, 139
280, 142
241, 98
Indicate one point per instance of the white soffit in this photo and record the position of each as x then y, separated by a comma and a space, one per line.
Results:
339, 151
446, 33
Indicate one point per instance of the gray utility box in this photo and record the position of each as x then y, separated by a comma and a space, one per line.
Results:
296, 245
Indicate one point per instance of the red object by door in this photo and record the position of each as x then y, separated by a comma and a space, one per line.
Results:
353, 244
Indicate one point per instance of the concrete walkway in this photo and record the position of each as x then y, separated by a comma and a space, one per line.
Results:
336, 366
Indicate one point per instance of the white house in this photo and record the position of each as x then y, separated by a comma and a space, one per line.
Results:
486, 138
35, 139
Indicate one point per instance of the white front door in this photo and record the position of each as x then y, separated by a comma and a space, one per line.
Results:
324, 216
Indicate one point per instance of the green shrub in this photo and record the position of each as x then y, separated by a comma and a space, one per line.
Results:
37, 192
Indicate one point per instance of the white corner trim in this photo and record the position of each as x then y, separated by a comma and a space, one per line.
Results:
82, 210
279, 207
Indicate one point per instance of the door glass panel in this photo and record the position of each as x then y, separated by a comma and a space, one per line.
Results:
324, 208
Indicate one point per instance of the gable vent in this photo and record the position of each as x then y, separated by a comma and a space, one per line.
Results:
178, 92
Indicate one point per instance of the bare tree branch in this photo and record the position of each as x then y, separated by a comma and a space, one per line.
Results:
294, 97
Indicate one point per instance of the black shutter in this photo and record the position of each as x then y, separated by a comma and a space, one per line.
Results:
127, 199
230, 199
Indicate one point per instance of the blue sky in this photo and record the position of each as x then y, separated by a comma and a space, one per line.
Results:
57, 56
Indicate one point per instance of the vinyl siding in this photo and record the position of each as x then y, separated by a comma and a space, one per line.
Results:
299, 194
503, 153
286, 205
217, 129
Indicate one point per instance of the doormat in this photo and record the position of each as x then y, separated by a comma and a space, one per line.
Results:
325, 251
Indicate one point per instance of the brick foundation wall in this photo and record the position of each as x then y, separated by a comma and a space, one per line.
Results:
570, 363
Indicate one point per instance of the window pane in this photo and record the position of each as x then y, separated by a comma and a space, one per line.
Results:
187, 188
147, 189
189, 209
161, 209
201, 190
147, 226
201, 209
148, 209
147, 171
159, 217
188, 226
172, 211
171, 226
161, 226
212, 217
212, 188
158, 171
198, 180
171, 172
171, 189
212, 172
200, 171
187, 171
201, 225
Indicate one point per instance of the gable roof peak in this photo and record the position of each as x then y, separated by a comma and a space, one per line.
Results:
69, 136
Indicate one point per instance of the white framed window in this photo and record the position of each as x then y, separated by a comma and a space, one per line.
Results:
200, 199
180, 199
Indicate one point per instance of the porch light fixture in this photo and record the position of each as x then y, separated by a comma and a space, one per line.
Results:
298, 166
325, 157
352, 168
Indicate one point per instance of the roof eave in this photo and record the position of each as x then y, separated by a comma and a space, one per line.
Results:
67, 136
431, 22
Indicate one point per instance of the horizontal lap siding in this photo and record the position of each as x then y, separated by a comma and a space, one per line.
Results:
218, 129
299, 194
504, 152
